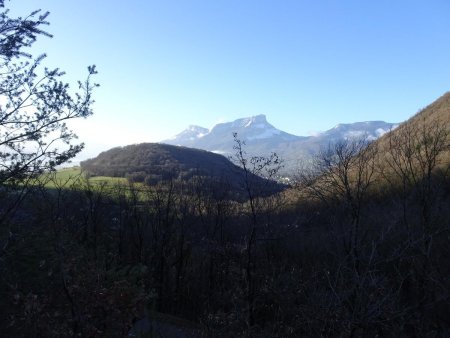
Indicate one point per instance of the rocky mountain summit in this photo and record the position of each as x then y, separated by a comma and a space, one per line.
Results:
262, 138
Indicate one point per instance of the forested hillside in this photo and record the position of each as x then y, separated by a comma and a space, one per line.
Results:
359, 247
153, 163
185, 243
159, 162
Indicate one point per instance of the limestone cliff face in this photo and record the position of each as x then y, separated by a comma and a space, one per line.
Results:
262, 138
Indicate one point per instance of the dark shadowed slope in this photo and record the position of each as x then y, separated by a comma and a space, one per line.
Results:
153, 162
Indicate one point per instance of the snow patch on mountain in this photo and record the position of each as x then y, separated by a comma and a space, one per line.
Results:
263, 138
355, 134
265, 134
258, 119
220, 152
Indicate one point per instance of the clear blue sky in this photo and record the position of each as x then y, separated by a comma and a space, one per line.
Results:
307, 65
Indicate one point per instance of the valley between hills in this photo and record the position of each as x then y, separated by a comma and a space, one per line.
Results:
164, 239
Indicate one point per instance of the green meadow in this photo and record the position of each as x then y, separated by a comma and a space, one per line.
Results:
70, 176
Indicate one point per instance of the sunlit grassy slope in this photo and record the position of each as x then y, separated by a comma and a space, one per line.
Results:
68, 176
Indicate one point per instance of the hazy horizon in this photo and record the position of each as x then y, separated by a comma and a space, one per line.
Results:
306, 65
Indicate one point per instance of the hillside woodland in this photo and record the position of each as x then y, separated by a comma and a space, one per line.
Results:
153, 163
358, 246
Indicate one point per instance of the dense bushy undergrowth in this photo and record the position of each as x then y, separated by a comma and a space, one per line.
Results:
86, 260
358, 247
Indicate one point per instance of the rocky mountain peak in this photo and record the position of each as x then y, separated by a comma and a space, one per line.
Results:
262, 138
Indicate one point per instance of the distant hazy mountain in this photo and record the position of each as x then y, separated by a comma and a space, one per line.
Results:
189, 135
262, 138
256, 131
299, 153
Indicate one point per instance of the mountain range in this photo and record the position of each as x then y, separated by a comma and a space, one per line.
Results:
262, 138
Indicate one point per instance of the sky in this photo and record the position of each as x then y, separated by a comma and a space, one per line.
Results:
306, 64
